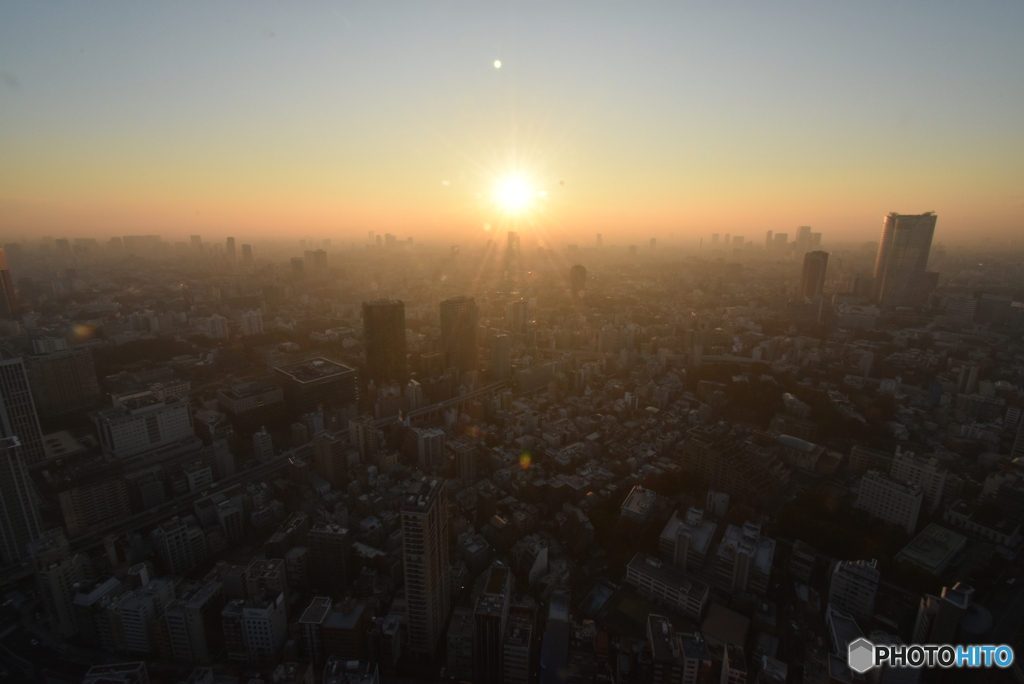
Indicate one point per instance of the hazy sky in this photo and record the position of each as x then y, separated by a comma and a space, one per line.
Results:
650, 119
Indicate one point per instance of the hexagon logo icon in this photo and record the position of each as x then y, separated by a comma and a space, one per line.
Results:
861, 655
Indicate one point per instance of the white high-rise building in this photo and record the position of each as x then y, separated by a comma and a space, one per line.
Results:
252, 323
853, 586
891, 500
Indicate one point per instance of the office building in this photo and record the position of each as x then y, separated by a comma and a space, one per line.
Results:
262, 445
19, 523
247, 261
329, 554
178, 545
517, 315
311, 628
384, 340
430, 448
685, 540
489, 620
344, 630
265, 627
362, 432
577, 282
9, 307
63, 381
192, 620
852, 587
517, 655
18, 416
891, 500
464, 452
458, 333
812, 278
425, 553
460, 635
252, 323
217, 327
92, 492
253, 398
143, 423
501, 357
903, 250
744, 559
668, 585
229, 251
316, 383
330, 453
924, 472
734, 665
57, 571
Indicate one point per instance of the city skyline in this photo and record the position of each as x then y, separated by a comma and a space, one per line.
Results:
674, 121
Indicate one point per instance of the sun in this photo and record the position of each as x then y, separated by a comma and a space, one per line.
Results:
514, 194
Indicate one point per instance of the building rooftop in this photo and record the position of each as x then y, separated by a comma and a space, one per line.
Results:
694, 525
662, 638
420, 495
666, 574
639, 501
933, 548
313, 370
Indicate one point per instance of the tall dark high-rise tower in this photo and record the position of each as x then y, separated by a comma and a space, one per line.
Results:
458, 333
17, 411
812, 280
425, 556
19, 522
384, 336
902, 258
8, 299
577, 281
229, 251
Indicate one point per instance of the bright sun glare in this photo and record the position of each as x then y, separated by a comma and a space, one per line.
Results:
514, 194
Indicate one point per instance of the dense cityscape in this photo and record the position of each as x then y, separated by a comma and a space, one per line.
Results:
509, 462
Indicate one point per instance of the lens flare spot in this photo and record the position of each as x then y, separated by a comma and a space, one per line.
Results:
524, 460
497, 64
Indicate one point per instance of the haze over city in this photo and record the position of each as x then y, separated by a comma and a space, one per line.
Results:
673, 120
511, 343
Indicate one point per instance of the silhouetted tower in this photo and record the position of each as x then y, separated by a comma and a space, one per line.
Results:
902, 258
229, 251
458, 333
8, 299
384, 336
812, 280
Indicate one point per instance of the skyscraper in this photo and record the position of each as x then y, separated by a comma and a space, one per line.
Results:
501, 357
517, 315
902, 258
229, 251
577, 281
458, 333
490, 617
247, 256
19, 522
425, 555
384, 336
8, 299
63, 381
812, 280
17, 411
